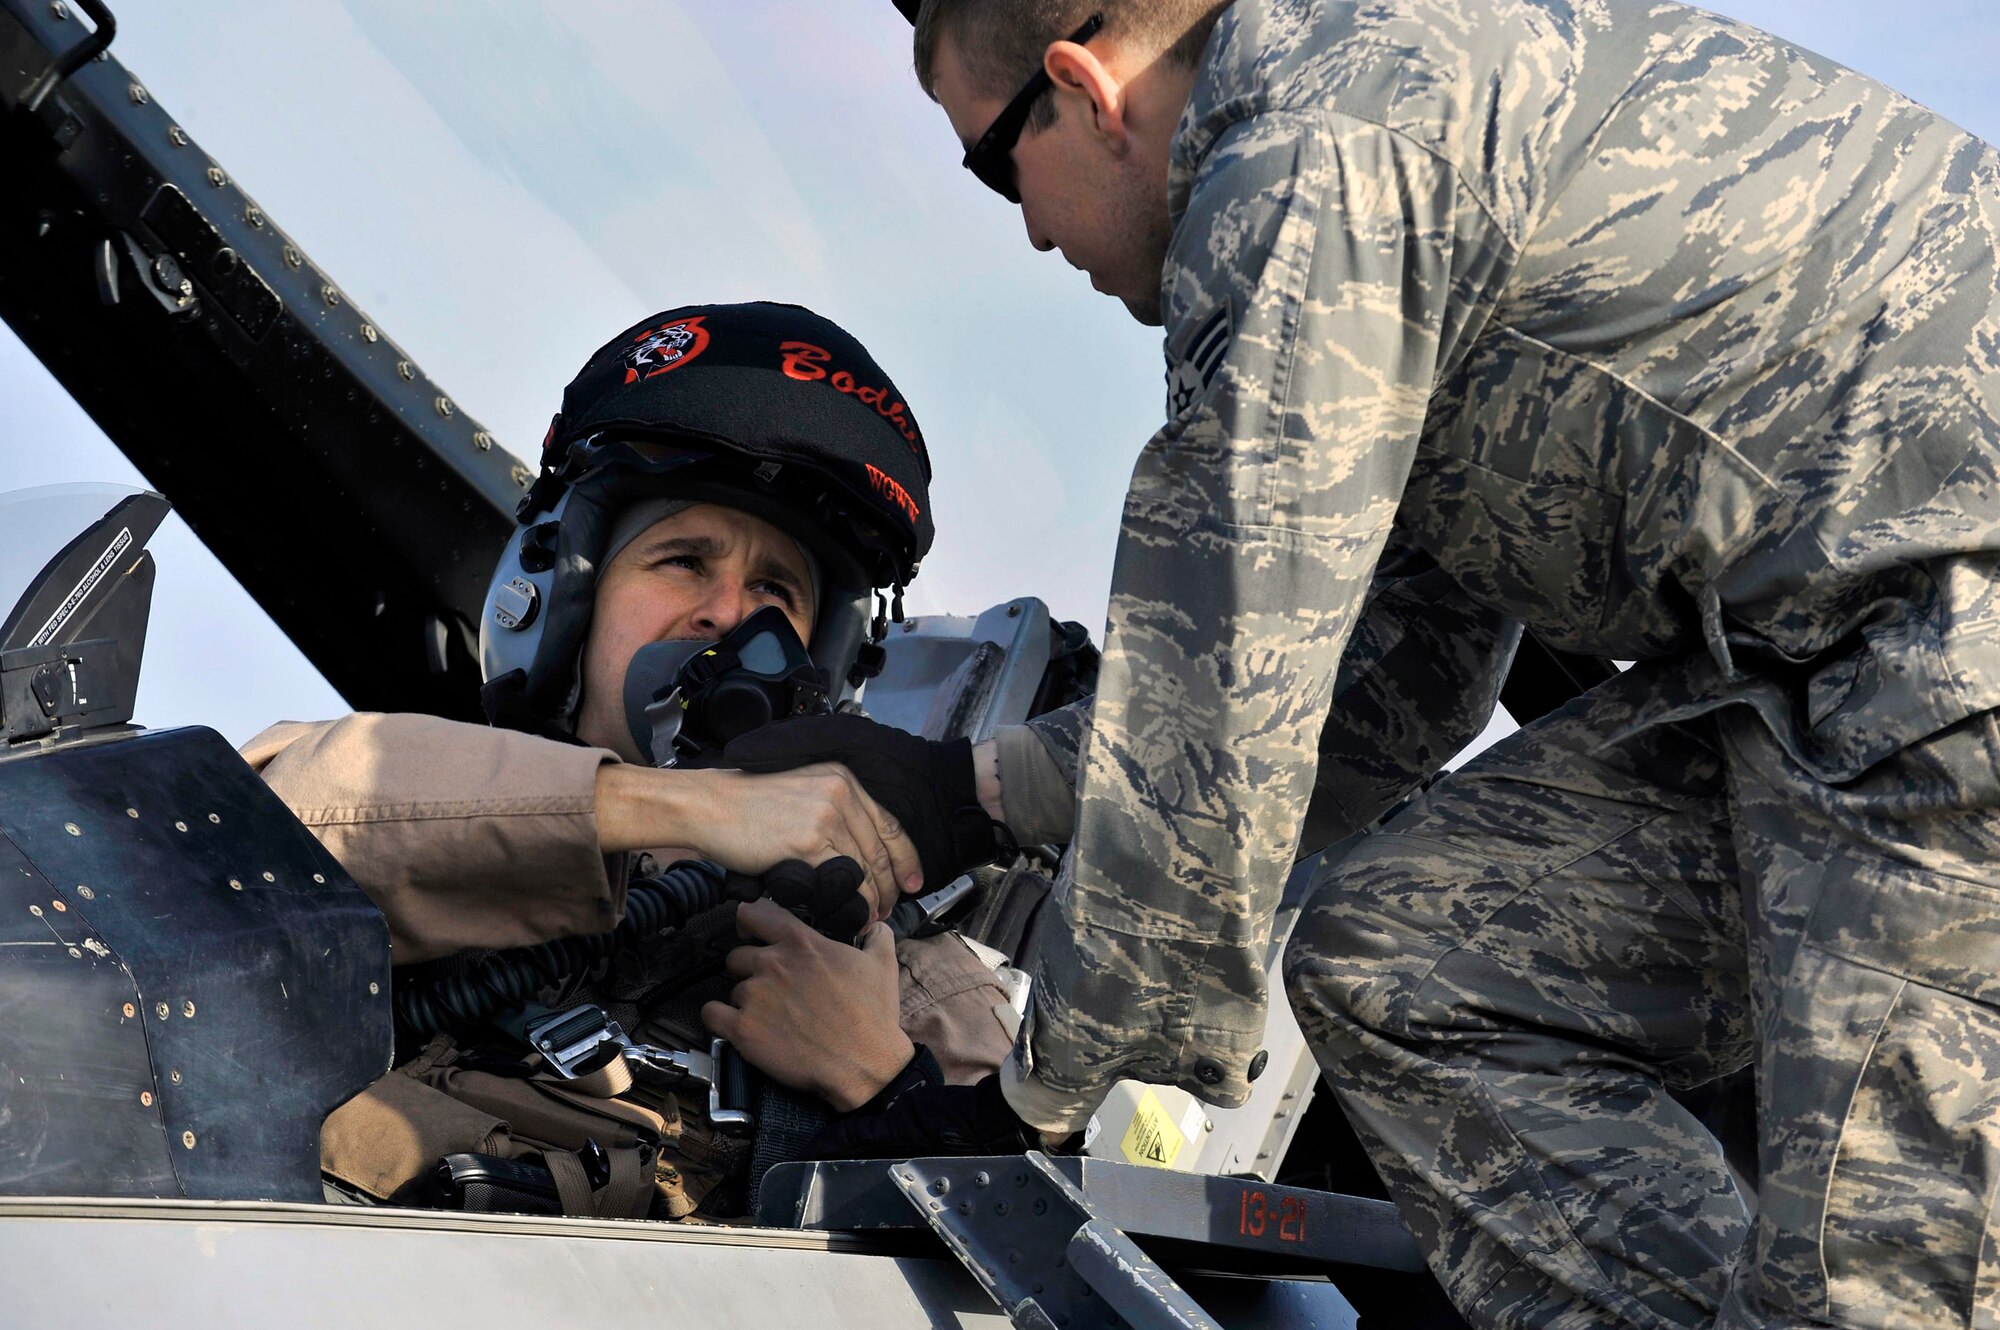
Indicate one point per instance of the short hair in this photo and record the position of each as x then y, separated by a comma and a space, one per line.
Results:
1000, 42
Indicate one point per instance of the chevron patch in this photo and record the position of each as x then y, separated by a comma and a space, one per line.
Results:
1189, 379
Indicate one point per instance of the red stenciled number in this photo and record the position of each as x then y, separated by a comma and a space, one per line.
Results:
1292, 1221
1254, 1215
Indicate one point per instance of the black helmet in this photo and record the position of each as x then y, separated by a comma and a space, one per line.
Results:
763, 407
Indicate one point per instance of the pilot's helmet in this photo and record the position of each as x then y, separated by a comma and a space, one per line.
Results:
766, 408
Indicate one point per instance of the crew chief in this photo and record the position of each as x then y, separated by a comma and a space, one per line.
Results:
1679, 345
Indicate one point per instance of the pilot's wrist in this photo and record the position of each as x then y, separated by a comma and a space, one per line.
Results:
641, 808
872, 1070
624, 796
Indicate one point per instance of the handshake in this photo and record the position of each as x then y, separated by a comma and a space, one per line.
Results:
928, 786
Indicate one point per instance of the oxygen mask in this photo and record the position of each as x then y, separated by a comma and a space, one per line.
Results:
685, 700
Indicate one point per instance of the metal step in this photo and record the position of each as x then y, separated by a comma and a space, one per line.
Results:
1052, 1239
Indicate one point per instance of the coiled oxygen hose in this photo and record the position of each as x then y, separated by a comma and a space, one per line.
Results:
504, 981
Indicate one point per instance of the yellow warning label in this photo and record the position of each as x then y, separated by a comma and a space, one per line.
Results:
1152, 1139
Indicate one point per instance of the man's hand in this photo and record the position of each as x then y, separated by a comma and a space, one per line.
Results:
750, 823
931, 788
811, 1013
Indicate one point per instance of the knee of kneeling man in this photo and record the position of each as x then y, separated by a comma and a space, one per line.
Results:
1346, 965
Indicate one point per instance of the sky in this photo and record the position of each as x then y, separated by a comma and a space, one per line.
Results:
503, 184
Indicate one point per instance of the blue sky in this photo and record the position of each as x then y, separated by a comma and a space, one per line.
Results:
502, 184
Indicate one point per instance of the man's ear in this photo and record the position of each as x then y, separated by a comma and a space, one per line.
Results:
1075, 68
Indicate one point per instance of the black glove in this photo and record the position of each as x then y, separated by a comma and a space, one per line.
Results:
827, 898
918, 1115
928, 786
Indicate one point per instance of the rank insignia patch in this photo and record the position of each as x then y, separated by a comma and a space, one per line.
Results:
1189, 379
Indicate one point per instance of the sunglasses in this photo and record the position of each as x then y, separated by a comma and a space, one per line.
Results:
992, 158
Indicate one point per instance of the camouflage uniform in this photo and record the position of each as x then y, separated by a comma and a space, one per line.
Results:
1418, 682
1678, 345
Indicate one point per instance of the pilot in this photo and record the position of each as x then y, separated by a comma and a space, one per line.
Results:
707, 464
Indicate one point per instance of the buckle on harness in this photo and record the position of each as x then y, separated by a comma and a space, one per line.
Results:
583, 1040
576, 1042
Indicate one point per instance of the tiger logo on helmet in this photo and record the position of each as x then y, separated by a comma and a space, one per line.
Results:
667, 347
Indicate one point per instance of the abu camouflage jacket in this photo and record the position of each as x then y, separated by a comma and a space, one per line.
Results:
1664, 337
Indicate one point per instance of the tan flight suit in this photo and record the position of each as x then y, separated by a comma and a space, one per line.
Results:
466, 836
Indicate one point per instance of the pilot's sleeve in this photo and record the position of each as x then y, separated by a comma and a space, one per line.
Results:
1417, 683
464, 836
1317, 263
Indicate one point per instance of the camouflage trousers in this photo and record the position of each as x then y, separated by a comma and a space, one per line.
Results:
1504, 985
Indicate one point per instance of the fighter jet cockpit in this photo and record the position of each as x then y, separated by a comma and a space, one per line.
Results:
194, 985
